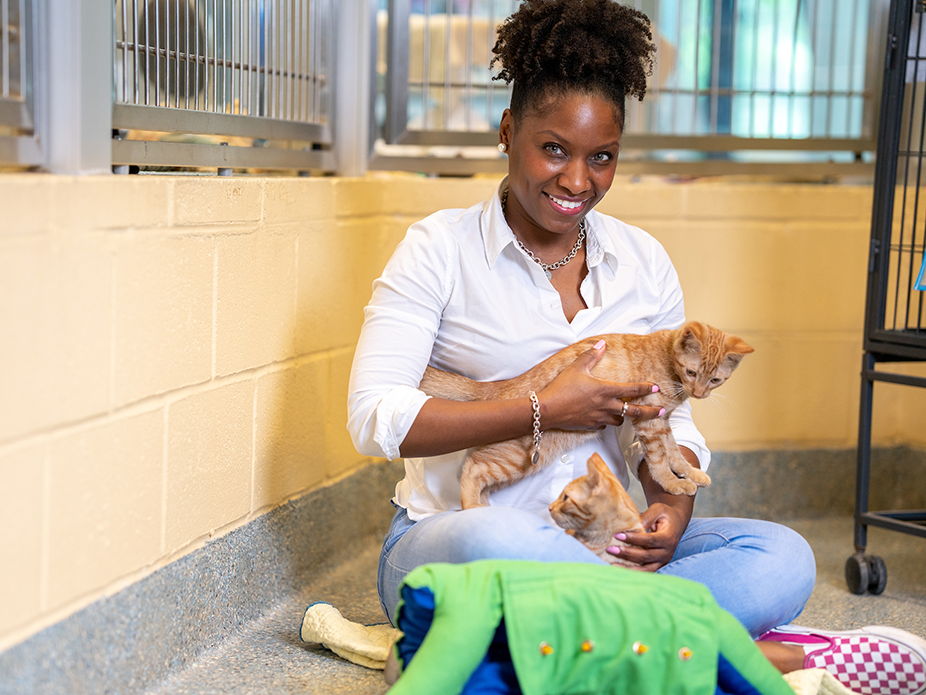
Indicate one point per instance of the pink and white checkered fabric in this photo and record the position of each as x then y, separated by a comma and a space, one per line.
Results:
871, 665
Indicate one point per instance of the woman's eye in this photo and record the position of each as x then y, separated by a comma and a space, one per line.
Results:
553, 148
603, 157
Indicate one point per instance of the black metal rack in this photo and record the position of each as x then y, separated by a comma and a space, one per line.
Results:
895, 317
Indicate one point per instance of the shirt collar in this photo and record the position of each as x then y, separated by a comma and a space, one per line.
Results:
497, 235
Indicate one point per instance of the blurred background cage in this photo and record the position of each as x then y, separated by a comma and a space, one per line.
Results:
786, 85
18, 144
787, 88
223, 83
895, 319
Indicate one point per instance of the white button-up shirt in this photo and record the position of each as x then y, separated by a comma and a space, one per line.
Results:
459, 294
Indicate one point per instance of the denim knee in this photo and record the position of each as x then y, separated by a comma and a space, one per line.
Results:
790, 576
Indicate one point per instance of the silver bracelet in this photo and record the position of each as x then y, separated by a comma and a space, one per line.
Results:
538, 434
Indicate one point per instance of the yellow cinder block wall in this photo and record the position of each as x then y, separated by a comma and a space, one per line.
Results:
176, 350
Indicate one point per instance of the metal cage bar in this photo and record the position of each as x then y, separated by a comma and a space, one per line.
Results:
18, 141
242, 75
790, 75
895, 325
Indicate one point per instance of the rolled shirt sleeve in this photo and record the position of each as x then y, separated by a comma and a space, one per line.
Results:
400, 325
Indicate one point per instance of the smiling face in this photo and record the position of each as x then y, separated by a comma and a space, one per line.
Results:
561, 161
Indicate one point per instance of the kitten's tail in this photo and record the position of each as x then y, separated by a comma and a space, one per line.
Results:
453, 387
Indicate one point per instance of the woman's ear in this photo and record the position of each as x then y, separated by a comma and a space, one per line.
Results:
506, 128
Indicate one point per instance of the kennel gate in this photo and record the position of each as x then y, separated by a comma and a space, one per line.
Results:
895, 329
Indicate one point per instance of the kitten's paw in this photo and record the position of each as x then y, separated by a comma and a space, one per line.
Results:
681, 487
699, 477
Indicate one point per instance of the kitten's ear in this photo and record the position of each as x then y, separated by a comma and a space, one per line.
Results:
691, 335
735, 344
597, 469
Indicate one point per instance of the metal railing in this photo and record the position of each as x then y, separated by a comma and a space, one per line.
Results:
18, 145
224, 83
738, 85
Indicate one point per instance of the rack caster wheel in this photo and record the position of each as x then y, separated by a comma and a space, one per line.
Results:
866, 573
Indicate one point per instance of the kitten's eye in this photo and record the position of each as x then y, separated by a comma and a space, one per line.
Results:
565, 497
715, 380
691, 373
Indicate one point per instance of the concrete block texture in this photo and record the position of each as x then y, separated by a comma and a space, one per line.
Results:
56, 313
209, 462
288, 201
769, 276
292, 412
22, 475
255, 300
332, 265
105, 504
341, 455
27, 203
164, 289
217, 200
86, 203
760, 201
798, 388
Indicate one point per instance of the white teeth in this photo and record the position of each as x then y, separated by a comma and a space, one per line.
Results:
565, 203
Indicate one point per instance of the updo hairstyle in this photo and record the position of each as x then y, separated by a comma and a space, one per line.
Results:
550, 47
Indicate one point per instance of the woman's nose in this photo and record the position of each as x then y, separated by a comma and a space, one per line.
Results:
575, 177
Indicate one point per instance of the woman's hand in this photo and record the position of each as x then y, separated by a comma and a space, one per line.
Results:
665, 525
576, 400
665, 520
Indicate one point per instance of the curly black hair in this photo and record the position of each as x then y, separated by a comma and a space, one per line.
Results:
550, 47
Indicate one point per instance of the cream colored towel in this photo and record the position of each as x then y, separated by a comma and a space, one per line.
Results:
816, 681
366, 645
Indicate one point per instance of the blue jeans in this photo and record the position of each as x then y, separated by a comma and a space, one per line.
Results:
761, 572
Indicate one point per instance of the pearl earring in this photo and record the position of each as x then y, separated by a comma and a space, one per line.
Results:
502, 147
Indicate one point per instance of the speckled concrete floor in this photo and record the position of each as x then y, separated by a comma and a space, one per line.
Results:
903, 603
268, 656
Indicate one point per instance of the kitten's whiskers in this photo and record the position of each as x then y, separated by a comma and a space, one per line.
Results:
722, 400
672, 389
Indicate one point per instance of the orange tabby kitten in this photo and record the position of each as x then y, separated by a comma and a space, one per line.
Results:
595, 507
689, 361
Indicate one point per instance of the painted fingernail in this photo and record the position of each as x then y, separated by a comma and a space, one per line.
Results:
655, 388
621, 536
662, 411
599, 345
614, 549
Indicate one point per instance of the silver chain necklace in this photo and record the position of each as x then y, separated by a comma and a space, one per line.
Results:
548, 268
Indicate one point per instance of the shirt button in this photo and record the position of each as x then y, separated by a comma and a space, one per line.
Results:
684, 654
545, 649
566, 458
639, 648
